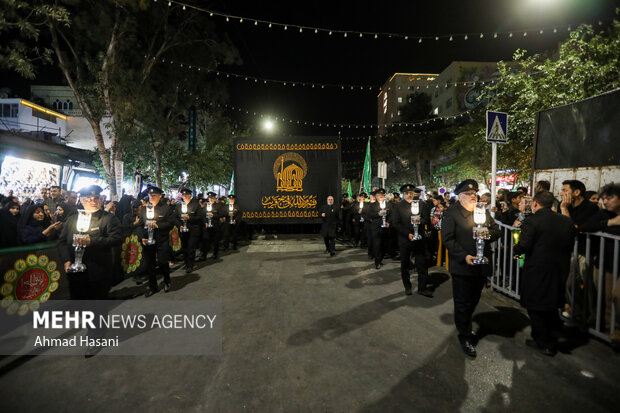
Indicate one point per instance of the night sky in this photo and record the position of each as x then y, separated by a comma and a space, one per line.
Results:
290, 55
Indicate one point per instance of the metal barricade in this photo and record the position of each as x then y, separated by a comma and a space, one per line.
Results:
590, 289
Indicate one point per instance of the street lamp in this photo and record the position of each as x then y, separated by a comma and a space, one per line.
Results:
268, 126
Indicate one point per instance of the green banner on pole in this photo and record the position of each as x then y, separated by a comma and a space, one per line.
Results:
367, 173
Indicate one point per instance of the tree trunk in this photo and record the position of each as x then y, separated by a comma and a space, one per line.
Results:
158, 168
418, 170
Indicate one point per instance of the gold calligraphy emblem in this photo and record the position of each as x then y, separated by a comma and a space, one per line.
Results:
289, 170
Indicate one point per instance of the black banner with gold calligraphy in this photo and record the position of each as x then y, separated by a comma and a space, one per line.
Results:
285, 180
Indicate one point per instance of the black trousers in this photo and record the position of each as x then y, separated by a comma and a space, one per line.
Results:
231, 233
330, 243
157, 256
190, 240
359, 234
466, 291
418, 251
212, 237
380, 240
81, 288
369, 239
544, 323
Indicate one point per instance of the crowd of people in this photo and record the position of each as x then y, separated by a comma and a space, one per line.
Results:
411, 226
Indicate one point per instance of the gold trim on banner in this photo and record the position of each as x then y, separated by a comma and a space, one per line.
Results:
287, 147
289, 201
280, 214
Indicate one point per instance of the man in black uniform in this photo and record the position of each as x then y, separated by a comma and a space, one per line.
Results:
331, 217
104, 233
547, 241
346, 208
359, 233
192, 219
468, 278
402, 221
215, 216
379, 214
231, 225
368, 224
157, 254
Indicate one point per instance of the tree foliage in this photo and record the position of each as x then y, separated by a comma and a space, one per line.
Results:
586, 64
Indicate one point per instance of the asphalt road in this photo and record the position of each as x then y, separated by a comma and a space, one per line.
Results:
303, 332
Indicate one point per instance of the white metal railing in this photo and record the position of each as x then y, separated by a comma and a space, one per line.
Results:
586, 289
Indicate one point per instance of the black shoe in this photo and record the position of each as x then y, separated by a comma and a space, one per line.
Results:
216, 256
408, 290
166, 287
149, 292
468, 347
378, 266
91, 351
202, 258
547, 351
326, 251
370, 257
331, 254
426, 293
189, 269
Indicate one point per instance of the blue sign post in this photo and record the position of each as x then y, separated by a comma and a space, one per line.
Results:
497, 131
497, 127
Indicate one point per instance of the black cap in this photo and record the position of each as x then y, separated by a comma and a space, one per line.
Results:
345, 196
92, 190
211, 194
380, 191
407, 188
417, 190
373, 193
136, 203
466, 185
364, 194
155, 190
186, 191
231, 196
396, 195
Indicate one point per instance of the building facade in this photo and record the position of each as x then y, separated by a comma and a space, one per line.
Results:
394, 94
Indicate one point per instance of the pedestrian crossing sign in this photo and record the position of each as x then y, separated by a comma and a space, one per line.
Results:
497, 127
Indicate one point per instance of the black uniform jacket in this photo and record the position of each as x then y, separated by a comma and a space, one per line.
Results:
331, 220
401, 220
375, 219
195, 213
165, 218
105, 233
458, 237
547, 240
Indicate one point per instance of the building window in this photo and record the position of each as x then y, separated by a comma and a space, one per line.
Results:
57, 104
400, 99
436, 111
67, 105
398, 113
391, 115
385, 103
9, 110
449, 103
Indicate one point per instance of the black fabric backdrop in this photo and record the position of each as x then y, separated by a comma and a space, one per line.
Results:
585, 133
285, 180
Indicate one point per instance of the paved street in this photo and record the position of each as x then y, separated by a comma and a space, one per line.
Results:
307, 333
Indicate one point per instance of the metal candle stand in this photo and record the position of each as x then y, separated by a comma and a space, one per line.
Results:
416, 219
82, 226
150, 220
481, 233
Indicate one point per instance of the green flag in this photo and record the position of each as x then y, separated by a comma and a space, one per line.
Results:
232, 184
349, 189
367, 173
